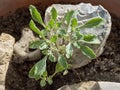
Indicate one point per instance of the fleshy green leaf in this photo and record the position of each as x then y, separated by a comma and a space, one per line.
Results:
51, 23
59, 68
36, 15
38, 69
74, 23
69, 50
90, 39
33, 26
42, 83
62, 61
54, 13
94, 22
52, 58
49, 80
61, 32
87, 51
77, 35
53, 38
35, 44
68, 16
43, 46
76, 44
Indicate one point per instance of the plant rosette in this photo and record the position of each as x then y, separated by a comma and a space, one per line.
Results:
57, 43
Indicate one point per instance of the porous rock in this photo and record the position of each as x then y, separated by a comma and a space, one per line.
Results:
6, 48
21, 48
6, 52
85, 12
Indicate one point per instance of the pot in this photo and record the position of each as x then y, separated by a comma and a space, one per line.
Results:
8, 6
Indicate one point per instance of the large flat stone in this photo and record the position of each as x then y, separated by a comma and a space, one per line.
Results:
109, 85
90, 85
85, 12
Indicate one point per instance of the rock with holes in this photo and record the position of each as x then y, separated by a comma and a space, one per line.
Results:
6, 52
21, 48
84, 13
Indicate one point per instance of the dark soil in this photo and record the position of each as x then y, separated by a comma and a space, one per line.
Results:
104, 68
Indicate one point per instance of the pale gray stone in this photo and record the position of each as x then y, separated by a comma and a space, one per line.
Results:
109, 85
21, 48
6, 52
85, 12
90, 85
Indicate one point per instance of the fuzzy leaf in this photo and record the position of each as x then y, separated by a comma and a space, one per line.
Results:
33, 26
42, 83
38, 69
74, 23
52, 58
94, 22
53, 38
61, 32
54, 13
68, 16
62, 61
87, 51
49, 80
59, 68
35, 14
51, 23
69, 50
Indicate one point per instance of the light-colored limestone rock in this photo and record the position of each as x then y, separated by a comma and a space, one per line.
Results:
21, 48
6, 52
84, 13
6, 48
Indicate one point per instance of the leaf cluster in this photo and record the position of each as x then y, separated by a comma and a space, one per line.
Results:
50, 36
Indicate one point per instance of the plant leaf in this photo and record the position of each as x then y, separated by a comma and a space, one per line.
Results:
34, 27
42, 83
94, 22
51, 23
61, 32
35, 44
54, 13
69, 50
77, 35
52, 58
50, 81
74, 23
62, 61
38, 69
43, 46
59, 68
68, 16
36, 15
53, 38
87, 51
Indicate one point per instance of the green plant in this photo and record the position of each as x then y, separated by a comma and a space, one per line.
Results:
49, 43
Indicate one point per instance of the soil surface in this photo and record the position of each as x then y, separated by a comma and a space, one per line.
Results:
104, 68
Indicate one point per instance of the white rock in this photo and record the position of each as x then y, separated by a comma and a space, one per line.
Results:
90, 85
109, 85
85, 12
2, 87
6, 52
21, 48
6, 48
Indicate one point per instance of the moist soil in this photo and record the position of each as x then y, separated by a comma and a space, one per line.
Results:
105, 68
